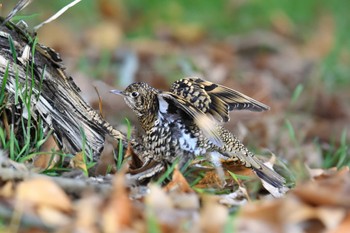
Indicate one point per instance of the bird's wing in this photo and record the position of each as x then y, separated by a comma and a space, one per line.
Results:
171, 103
214, 99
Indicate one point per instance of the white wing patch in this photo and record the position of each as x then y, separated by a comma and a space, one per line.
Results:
187, 143
163, 105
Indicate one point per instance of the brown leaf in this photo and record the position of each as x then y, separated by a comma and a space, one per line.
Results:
344, 226
330, 189
178, 183
158, 198
49, 160
42, 192
88, 213
78, 162
210, 179
213, 216
7, 190
52, 216
118, 213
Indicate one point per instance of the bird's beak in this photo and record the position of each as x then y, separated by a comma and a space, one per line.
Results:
117, 92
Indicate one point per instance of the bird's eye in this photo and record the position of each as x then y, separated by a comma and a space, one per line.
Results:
134, 94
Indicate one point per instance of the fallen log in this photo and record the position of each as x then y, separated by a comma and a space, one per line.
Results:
37, 88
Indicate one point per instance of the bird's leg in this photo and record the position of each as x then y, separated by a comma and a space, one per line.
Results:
215, 158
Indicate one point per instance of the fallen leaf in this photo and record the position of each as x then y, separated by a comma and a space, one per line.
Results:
178, 183
185, 201
213, 216
158, 198
331, 189
49, 160
331, 217
7, 190
78, 162
236, 198
344, 226
118, 213
42, 192
88, 213
52, 216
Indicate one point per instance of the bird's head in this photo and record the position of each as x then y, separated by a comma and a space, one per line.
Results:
140, 97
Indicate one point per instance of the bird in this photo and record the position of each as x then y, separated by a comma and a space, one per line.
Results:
187, 121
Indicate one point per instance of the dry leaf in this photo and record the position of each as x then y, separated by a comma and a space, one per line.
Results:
42, 192
118, 213
330, 189
236, 198
88, 214
213, 216
78, 162
7, 190
178, 183
52, 216
49, 160
344, 226
158, 199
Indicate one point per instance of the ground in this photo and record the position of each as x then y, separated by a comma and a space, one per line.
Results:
291, 55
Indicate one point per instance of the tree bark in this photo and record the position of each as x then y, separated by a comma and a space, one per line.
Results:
36, 71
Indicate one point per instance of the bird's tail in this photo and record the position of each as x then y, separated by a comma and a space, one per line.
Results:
265, 173
233, 148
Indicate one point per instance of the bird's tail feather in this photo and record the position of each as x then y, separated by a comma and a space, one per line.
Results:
261, 170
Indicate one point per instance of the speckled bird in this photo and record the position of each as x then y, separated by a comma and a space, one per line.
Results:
186, 122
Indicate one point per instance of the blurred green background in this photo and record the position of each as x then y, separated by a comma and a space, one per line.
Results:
216, 19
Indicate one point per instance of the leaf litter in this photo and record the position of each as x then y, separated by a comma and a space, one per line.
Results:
267, 65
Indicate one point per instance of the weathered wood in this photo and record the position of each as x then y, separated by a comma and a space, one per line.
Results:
54, 96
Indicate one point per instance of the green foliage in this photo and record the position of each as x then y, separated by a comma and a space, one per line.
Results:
120, 155
222, 18
237, 177
297, 92
338, 157
229, 227
3, 86
168, 173
151, 220
87, 157
24, 140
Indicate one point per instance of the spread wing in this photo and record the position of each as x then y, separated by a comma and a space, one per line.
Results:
170, 103
214, 99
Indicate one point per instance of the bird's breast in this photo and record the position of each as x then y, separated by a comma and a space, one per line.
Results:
171, 137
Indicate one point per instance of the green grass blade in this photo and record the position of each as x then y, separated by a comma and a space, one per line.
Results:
120, 155
297, 92
167, 172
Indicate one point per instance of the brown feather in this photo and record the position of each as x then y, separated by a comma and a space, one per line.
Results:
214, 99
